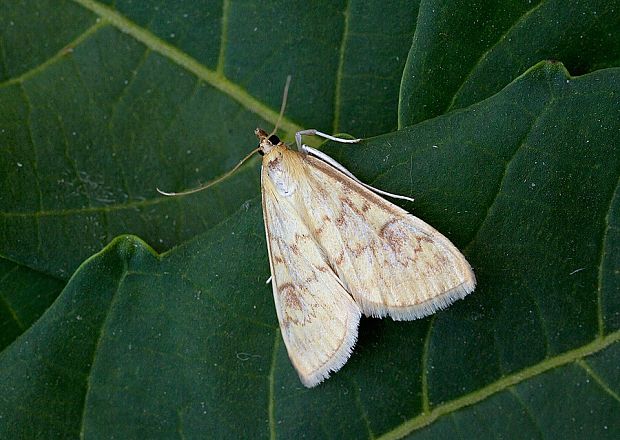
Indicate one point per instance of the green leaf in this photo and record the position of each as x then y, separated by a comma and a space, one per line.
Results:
465, 51
575, 391
372, 58
186, 344
24, 296
102, 102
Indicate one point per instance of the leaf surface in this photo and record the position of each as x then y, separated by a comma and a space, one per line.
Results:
465, 51
186, 343
103, 102
24, 296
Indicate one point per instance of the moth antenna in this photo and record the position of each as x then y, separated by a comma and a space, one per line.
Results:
218, 180
283, 106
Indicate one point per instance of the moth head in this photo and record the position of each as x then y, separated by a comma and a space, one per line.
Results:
267, 142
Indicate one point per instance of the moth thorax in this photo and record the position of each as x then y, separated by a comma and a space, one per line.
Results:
266, 146
278, 166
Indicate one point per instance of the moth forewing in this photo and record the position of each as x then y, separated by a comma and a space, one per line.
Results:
336, 250
318, 318
392, 262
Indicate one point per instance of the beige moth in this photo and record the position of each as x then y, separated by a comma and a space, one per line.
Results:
338, 250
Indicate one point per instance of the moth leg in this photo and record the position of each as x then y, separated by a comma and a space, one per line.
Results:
332, 162
313, 132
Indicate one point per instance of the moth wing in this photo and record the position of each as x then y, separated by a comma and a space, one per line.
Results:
318, 318
390, 261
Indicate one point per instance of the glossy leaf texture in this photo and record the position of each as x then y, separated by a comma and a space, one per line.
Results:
125, 97
24, 295
186, 344
465, 51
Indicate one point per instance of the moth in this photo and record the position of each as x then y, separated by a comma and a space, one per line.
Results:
339, 250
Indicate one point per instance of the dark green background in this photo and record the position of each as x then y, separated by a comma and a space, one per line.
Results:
500, 118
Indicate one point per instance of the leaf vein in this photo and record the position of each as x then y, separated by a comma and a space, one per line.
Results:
6, 302
339, 71
35, 168
113, 300
507, 165
72, 164
5, 72
501, 384
598, 379
271, 382
112, 118
225, 305
406, 75
174, 54
427, 342
360, 407
539, 314
223, 37
106, 208
56, 57
502, 37
599, 289
527, 411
